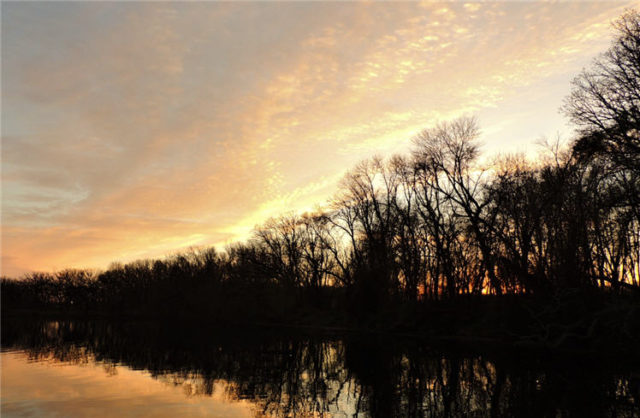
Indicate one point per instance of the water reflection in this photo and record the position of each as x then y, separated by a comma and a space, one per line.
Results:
301, 375
55, 389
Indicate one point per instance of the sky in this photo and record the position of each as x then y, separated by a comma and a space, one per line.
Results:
137, 129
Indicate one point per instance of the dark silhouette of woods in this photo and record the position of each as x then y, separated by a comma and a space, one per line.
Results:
409, 233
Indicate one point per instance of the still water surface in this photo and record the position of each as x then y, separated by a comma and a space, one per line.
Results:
47, 387
103, 368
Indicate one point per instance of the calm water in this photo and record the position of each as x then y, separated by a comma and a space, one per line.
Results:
100, 368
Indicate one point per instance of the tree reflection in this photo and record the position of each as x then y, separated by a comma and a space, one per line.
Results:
365, 375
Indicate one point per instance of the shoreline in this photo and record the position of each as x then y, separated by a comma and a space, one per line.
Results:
449, 328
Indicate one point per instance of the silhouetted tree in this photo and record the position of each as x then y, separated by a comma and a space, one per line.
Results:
516, 201
365, 212
605, 100
446, 155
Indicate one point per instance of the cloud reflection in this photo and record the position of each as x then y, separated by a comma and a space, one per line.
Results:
95, 389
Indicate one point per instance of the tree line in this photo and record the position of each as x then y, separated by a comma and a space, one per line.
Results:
433, 224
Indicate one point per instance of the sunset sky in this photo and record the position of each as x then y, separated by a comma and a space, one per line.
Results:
136, 129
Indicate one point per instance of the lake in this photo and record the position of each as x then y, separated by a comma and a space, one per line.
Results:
148, 368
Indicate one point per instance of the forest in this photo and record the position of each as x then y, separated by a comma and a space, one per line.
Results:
438, 240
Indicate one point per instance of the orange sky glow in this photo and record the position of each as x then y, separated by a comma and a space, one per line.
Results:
135, 129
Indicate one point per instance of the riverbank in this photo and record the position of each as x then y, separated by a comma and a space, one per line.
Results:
571, 321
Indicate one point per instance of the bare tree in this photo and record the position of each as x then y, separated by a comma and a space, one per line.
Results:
445, 156
410, 246
283, 244
605, 105
365, 212
605, 100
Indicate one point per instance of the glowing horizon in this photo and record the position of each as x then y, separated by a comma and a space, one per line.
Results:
133, 130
